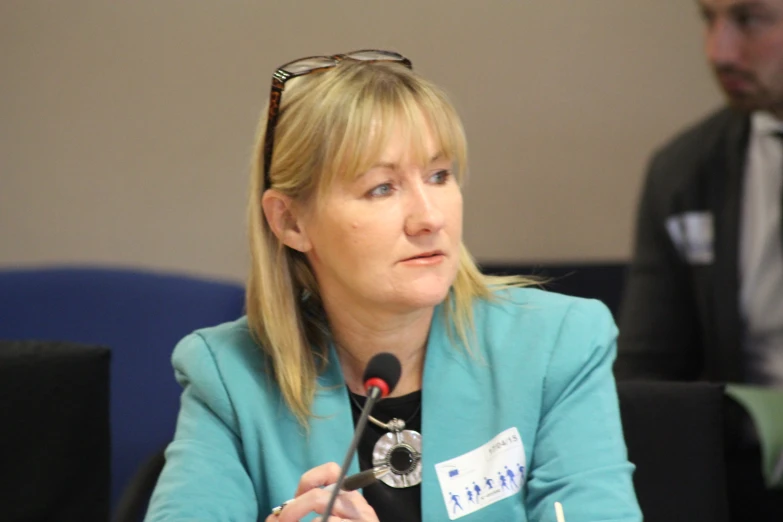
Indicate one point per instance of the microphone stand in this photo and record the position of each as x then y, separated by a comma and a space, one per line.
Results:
372, 397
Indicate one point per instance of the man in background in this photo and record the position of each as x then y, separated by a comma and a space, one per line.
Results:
704, 298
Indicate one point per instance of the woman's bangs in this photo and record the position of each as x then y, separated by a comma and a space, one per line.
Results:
389, 109
409, 117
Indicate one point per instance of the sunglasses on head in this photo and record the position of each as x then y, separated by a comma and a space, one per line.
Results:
304, 66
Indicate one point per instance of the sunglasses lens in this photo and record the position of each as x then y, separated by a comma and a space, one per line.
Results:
308, 64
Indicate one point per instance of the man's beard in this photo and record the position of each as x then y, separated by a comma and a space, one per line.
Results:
756, 102
756, 98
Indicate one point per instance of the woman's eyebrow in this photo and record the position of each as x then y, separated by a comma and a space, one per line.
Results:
385, 165
391, 165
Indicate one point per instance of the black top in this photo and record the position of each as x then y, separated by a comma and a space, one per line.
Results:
390, 504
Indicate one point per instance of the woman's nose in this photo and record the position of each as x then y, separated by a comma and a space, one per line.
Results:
424, 212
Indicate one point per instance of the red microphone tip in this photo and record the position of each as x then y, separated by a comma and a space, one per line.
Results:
379, 383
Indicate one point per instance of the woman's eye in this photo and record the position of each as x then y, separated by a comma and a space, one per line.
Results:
440, 177
380, 191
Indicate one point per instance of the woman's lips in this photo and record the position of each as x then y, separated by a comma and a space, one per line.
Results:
426, 259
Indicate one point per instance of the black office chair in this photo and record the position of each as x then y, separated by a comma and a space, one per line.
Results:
135, 498
54, 440
674, 433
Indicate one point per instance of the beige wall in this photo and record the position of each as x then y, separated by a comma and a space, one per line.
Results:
125, 127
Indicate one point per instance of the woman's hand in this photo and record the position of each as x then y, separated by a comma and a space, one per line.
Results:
310, 498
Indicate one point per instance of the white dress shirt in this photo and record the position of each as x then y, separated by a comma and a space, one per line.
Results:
761, 253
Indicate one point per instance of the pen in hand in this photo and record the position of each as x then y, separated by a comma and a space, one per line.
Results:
354, 482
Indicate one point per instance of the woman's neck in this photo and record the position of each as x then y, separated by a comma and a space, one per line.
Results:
361, 334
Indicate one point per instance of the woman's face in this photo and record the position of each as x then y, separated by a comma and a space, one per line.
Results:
389, 239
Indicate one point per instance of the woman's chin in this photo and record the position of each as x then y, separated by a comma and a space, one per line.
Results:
426, 297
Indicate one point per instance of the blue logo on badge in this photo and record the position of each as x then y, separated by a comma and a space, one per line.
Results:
453, 473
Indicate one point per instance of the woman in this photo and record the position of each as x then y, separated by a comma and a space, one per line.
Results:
356, 239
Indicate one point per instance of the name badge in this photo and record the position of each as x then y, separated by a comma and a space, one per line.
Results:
484, 475
692, 234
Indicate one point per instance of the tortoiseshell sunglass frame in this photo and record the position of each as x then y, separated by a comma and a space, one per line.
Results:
287, 71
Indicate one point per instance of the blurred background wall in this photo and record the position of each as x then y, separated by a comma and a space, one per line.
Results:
126, 127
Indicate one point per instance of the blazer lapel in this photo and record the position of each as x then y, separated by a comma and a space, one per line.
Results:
459, 414
727, 199
448, 406
331, 428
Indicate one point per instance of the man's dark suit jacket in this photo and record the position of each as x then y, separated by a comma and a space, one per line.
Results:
680, 320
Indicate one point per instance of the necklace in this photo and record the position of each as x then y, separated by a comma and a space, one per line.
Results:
399, 450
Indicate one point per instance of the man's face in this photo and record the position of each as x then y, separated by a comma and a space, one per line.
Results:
744, 45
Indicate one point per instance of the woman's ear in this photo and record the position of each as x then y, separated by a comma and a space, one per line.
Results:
283, 219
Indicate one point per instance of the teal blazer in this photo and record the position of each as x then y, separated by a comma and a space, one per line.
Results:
542, 364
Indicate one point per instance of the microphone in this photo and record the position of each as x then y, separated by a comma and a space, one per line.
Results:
380, 377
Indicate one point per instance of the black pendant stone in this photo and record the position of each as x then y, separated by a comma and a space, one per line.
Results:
401, 459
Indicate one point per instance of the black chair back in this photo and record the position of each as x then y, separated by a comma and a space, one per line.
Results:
54, 440
674, 433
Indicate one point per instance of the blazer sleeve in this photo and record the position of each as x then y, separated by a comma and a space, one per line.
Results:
658, 315
205, 476
580, 458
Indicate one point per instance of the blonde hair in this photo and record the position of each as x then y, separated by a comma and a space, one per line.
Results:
337, 123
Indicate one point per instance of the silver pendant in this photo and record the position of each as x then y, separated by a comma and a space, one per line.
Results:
400, 450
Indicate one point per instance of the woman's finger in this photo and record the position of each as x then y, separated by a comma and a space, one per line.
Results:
317, 477
353, 507
315, 501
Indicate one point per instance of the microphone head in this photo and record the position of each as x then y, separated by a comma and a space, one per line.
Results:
383, 371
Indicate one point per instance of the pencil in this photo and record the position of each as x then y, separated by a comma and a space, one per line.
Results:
559, 512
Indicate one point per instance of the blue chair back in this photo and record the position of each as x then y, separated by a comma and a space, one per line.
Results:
140, 316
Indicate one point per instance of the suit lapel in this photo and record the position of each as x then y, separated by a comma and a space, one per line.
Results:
448, 405
726, 200
458, 395
331, 428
